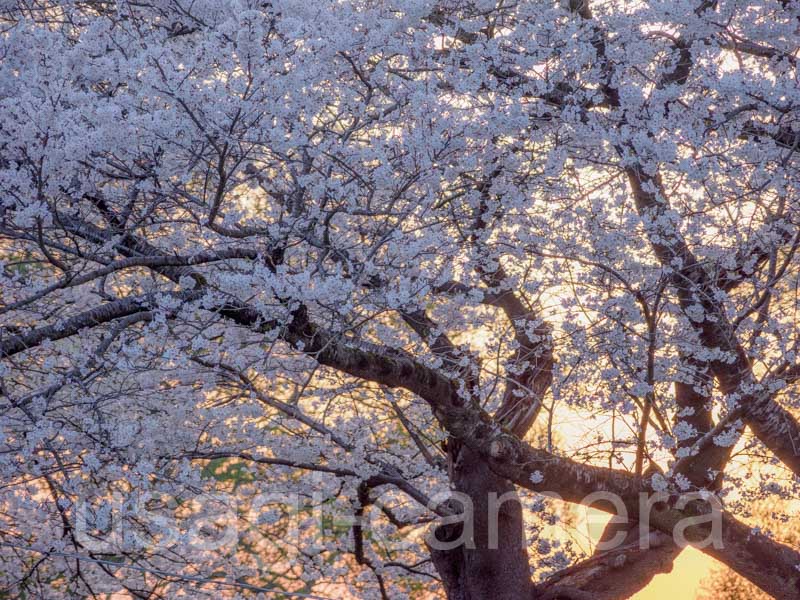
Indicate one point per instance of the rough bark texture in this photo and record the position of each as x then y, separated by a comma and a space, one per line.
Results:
617, 573
486, 570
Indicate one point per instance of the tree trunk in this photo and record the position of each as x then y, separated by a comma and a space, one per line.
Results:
494, 562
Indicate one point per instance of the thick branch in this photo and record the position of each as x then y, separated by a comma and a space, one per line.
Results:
15, 343
773, 425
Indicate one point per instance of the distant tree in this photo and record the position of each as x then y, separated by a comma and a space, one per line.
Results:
724, 583
270, 268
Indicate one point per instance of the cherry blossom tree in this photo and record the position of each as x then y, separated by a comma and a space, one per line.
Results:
330, 283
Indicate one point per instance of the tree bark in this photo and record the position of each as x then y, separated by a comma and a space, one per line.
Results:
493, 562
